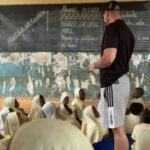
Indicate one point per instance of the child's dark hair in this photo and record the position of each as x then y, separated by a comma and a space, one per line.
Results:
145, 116
139, 91
136, 108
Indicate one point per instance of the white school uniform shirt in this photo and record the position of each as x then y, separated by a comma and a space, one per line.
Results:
55, 135
138, 100
3, 114
141, 135
12, 124
131, 121
4, 143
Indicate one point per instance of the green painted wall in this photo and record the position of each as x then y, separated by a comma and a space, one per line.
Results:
27, 74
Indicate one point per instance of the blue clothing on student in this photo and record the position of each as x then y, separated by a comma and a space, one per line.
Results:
108, 143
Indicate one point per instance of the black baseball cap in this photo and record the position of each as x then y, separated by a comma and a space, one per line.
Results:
112, 5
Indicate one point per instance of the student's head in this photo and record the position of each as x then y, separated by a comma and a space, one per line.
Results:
145, 116
136, 108
38, 101
47, 134
65, 98
82, 94
138, 92
11, 102
90, 112
111, 12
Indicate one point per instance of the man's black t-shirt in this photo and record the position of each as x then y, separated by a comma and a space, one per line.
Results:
117, 35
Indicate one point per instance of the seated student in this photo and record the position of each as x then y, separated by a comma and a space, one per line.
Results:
51, 134
133, 118
78, 103
13, 122
36, 108
141, 133
65, 112
12, 103
3, 114
137, 95
4, 142
49, 110
91, 125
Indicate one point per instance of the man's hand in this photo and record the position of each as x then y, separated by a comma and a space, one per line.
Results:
92, 66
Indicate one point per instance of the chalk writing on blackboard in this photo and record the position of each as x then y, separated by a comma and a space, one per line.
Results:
29, 24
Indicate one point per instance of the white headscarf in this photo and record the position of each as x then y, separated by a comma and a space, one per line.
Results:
49, 110
12, 124
62, 112
4, 143
3, 114
91, 126
77, 101
10, 102
54, 135
63, 96
36, 110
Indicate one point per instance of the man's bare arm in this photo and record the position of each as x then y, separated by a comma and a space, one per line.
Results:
106, 60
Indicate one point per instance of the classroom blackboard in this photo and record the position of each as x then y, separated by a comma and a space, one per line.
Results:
66, 28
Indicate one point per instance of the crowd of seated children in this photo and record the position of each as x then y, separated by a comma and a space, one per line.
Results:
85, 118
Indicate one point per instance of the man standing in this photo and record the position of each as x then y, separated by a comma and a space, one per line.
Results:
116, 50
